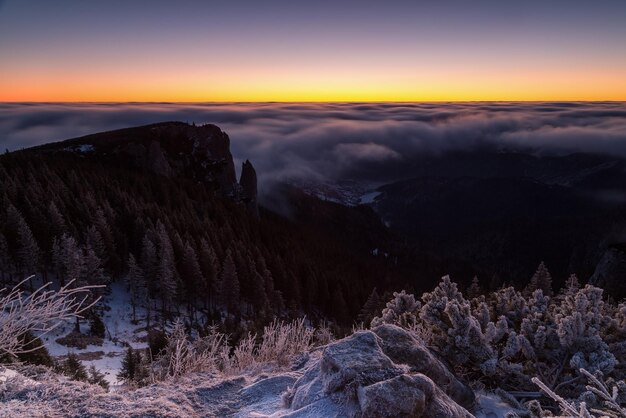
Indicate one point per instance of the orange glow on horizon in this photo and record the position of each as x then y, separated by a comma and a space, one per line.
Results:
306, 85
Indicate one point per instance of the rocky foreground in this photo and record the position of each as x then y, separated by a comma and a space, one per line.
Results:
384, 372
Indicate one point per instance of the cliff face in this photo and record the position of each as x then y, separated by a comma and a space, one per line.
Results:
170, 149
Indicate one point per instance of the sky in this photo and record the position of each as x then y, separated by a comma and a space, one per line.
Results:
341, 50
369, 142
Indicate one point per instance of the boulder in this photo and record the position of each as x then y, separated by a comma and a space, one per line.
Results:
408, 396
380, 373
403, 348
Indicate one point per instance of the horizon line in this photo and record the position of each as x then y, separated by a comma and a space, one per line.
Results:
303, 101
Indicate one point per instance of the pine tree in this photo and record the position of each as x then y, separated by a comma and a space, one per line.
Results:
97, 378
136, 284
149, 263
35, 352
371, 308
92, 272
540, 280
27, 253
74, 369
130, 364
275, 297
94, 240
210, 267
57, 222
260, 300
192, 272
229, 291
67, 258
166, 269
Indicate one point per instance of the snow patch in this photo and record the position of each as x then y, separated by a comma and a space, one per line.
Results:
120, 333
82, 148
369, 198
491, 406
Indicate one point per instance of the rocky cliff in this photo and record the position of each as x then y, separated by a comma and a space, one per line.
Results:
170, 149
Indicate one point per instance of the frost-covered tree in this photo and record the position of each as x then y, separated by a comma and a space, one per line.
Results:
580, 319
510, 338
448, 323
402, 310
38, 312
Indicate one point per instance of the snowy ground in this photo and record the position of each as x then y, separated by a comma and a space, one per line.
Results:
197, 395
121, 332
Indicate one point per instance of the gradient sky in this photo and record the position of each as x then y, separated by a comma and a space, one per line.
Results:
357, 50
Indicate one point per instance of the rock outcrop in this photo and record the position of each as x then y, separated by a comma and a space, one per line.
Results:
610, 273
384, 372
248, 184
171, 149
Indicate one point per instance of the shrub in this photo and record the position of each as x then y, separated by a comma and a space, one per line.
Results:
504, 339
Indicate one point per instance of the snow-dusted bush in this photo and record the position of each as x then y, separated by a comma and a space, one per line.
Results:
182, 356
38, 312
281, 341
504, 339
401, 310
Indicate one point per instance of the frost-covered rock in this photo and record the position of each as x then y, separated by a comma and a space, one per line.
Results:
384, 372
403, 348
408, 396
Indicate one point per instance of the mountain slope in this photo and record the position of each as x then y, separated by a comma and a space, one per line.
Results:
166, 194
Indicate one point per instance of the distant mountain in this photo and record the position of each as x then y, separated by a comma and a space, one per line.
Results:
503, 213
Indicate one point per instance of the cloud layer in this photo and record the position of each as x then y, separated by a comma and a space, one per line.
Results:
361, 141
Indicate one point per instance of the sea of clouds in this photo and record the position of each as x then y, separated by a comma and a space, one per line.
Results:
325, 141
